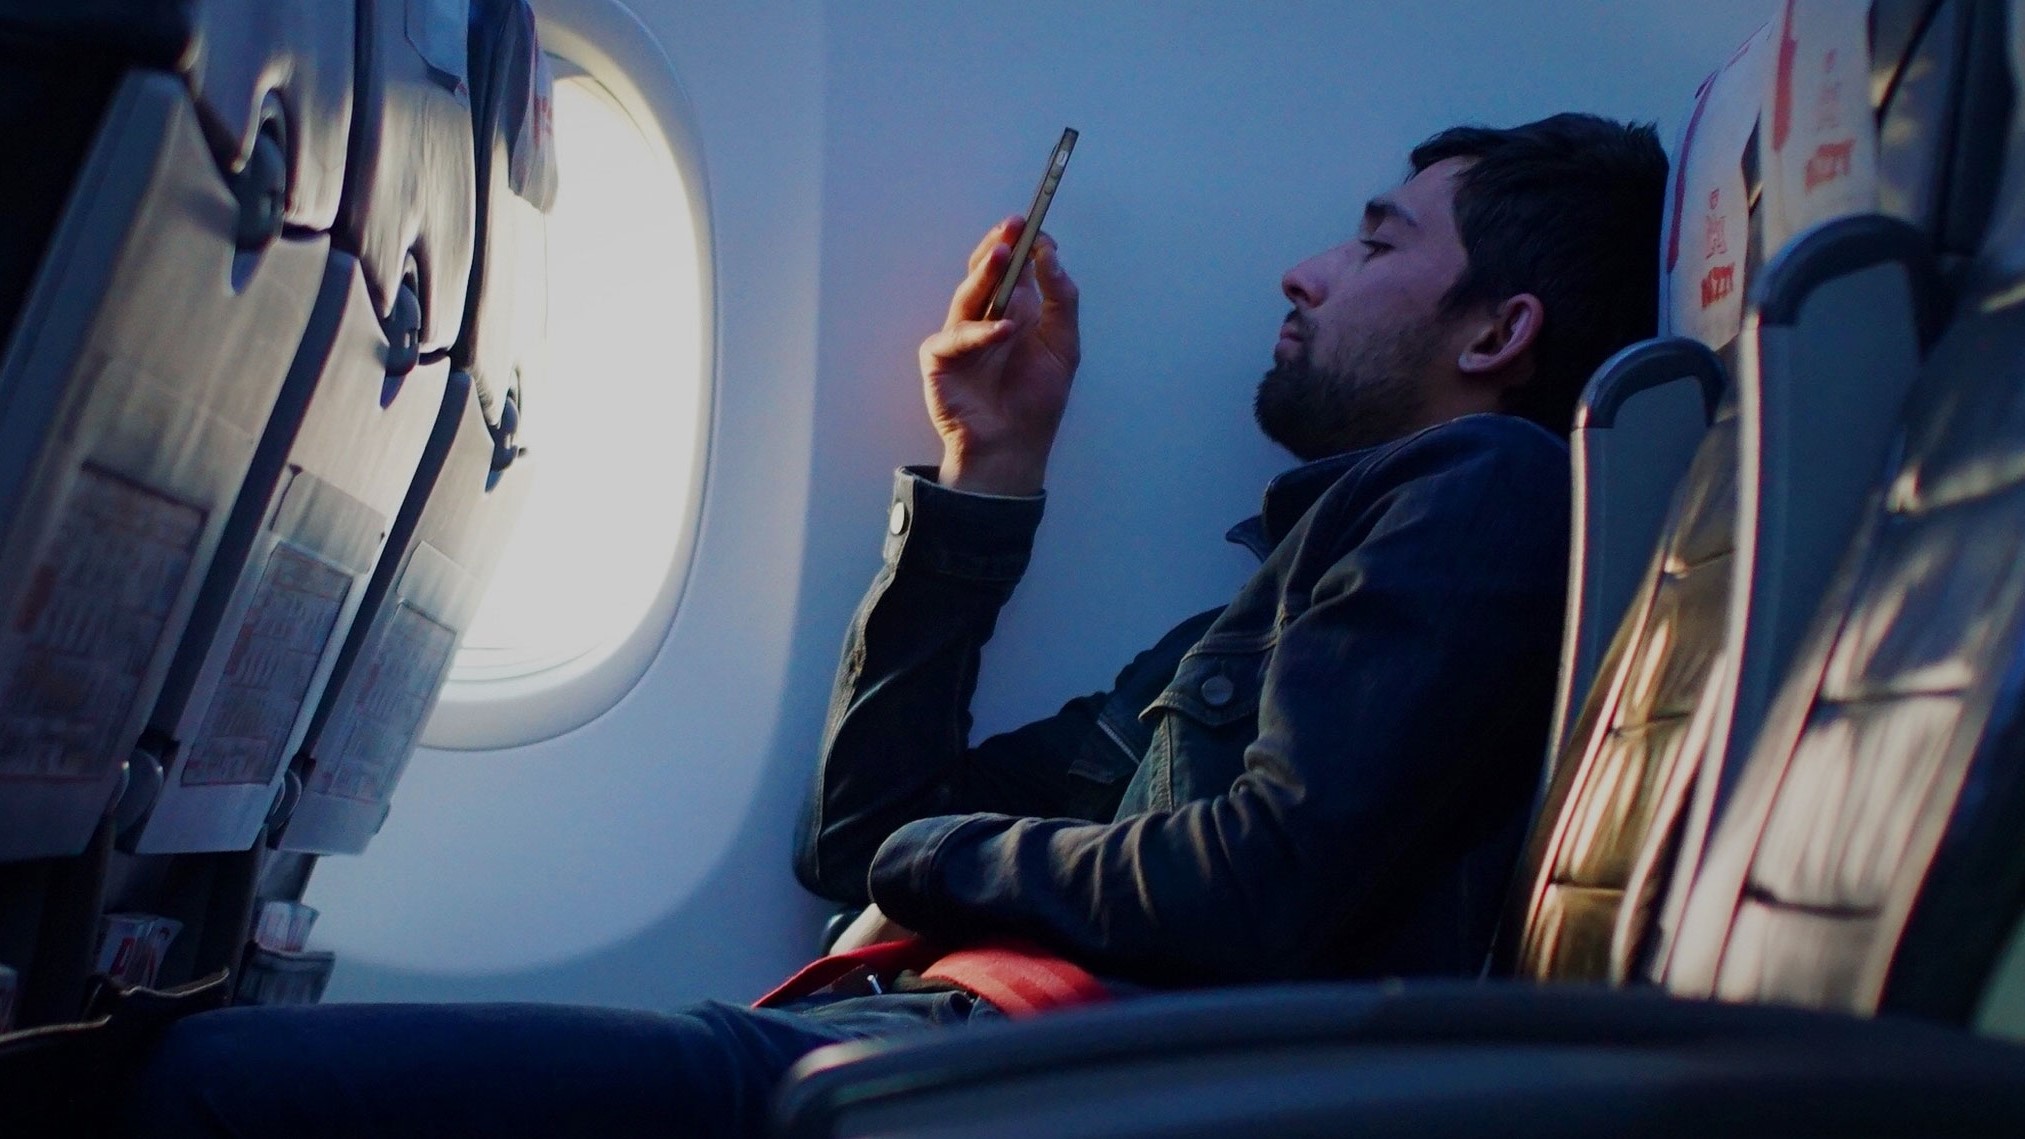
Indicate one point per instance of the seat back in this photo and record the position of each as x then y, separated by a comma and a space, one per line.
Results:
1942, 78
1636, 427
473, 476
1868, 857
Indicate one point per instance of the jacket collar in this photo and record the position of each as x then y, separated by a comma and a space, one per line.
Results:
1288, 497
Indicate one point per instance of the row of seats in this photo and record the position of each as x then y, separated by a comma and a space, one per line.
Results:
1785, 769
272, 289
1717, 614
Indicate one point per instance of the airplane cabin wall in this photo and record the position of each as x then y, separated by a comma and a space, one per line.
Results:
854, 153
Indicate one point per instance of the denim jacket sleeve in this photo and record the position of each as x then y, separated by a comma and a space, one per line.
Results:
895, 742
1436, 603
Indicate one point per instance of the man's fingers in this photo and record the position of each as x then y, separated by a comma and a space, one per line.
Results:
1058, 290
962, 339
1004, 233
974, 292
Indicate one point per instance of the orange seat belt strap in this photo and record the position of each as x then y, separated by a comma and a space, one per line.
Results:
1020, 979
882, 960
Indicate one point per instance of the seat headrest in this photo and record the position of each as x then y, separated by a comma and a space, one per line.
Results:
1790, 110
1817, 142
1708, 227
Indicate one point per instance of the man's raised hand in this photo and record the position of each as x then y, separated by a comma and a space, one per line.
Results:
996, 389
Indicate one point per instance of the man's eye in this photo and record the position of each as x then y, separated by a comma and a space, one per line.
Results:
1372, 247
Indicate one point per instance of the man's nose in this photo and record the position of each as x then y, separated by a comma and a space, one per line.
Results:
1303, 285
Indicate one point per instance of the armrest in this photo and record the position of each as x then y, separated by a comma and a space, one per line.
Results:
1433, 1059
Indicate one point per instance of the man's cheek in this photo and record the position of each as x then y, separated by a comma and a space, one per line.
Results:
1332, 346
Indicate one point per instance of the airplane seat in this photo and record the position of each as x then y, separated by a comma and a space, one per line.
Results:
455, 519
158, 265
1867, 860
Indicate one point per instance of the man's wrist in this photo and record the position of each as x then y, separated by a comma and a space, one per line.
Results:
1005, 475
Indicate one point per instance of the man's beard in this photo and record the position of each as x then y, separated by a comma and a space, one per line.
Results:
1316, 412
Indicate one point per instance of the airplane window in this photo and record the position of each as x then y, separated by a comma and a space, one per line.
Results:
614, 432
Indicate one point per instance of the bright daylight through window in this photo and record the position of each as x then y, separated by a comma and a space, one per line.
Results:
613, 429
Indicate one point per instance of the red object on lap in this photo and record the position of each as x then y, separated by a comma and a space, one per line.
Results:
1018, 978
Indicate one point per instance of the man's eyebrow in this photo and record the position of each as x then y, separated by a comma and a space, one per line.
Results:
1378, 210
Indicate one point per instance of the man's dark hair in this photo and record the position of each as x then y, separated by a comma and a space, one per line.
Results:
1567, 209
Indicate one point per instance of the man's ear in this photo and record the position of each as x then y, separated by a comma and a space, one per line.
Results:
1503, 338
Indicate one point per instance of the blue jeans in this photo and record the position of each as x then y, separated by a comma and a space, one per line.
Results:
499, 1070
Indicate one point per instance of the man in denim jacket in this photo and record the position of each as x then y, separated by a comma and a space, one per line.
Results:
1328, 777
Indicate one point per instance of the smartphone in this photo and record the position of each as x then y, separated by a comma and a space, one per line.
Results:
1043, 194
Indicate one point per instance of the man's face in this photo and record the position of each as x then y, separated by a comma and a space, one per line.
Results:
1367, 343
